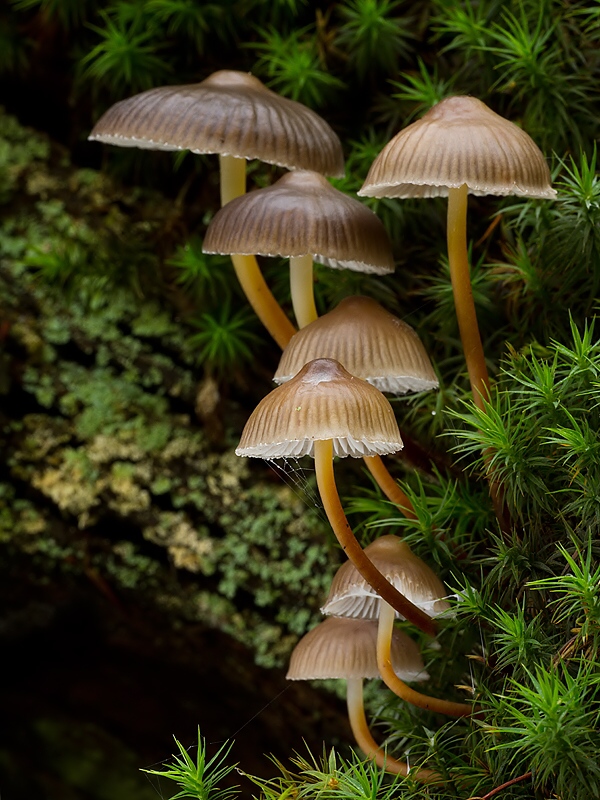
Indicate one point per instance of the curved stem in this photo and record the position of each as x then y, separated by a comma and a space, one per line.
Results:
389, 486
384, 662
266, 307
463, 295
302, 289
362, 734
323, 451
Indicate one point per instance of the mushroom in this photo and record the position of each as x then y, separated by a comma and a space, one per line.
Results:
371, 344
233, 114
302, 217
350, 596
324, 410
346, 648
461, 146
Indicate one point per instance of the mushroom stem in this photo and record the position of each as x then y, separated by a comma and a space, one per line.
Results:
301, 285
266, 308
384, 662
467, 321
389, 486
463, 294
323, 453
362, 734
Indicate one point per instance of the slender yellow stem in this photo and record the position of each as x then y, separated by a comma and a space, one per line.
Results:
364, 739
337, 519
384, 662
302, 289
458, 259
266, 308
389, 486
463, 295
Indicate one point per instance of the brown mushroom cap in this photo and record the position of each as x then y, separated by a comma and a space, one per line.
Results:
302, 214
322, 402
351, 596
460, 140
370, 342
231, 113
347, 648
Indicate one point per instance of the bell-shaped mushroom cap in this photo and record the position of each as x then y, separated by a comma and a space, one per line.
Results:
231, 113
351, 596
347, 648
460, 140
302, 214
370, 342
322, 402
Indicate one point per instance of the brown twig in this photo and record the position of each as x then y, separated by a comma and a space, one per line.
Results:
501, 788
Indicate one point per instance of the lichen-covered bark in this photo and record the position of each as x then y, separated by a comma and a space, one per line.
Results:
107, 467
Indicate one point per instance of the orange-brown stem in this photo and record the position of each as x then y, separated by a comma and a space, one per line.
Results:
258, 294
323, 452
460, 275
384, 662
389, 486
364, 739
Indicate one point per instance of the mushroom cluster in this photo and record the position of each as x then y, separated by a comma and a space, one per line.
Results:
334, 370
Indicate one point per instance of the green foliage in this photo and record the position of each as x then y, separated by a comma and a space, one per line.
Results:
550, 722
199, 778
224, 341
292, 65
372, 37
126, 59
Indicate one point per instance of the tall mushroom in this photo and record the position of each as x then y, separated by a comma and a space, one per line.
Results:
346, 649
233, 114
350, 596
324, 410
302, 217
461, 146
371, 344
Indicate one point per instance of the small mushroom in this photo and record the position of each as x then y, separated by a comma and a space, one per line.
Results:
233, 114
350, 596
346, 649
461, 146
324, 410
302, 217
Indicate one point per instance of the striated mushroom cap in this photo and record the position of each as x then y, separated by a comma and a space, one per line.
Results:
347, 648
302, 214
460, 140
369, 342
351, 596
230, 113
323, 401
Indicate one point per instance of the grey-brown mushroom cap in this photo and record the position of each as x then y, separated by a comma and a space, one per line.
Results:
460, 140
369, 342
351, 596
230, 113
302, 214
322, 402
347, 648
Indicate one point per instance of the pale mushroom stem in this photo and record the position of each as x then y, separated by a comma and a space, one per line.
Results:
364, 739
266, 308
323, 453
389, 486
302, 290
463, 294
393, 682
